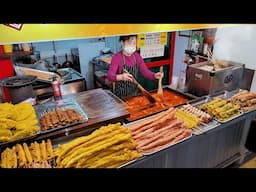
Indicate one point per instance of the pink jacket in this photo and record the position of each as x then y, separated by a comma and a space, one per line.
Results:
116, 66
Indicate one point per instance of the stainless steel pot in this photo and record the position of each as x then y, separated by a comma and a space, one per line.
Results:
19, 87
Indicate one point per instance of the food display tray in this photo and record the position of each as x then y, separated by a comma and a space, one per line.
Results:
164, 147
3, 145
231, 118
129, 162
146, 107
206, 99
167, 145
204, 127
65, 104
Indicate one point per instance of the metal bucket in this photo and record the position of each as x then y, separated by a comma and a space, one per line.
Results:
20, 87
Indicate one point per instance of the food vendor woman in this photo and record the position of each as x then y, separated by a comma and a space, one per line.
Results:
128, 58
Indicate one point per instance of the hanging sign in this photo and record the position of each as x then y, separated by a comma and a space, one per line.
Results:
25, 33
15, 26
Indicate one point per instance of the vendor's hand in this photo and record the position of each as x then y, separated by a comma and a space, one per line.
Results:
159, 75
125, 77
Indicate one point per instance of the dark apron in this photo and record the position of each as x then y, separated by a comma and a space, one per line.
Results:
125, 89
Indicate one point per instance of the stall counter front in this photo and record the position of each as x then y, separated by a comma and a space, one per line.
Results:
216, 148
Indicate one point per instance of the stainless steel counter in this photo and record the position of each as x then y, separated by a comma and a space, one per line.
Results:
72, 82
218, 147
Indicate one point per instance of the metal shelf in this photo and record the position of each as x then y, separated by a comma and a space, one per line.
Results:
14, 54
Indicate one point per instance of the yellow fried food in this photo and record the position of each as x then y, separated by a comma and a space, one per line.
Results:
27, 153
24, 110
6, 110
190, 120
66, 148
21, 155
115, 160
4, 139
5, 133
4, 158
37, 152
49, 148
8, 122
83, 152
43, 150
130, 144
3, 126
13, 158
99, 138
8, 158
23, 126
105, 143
20, 134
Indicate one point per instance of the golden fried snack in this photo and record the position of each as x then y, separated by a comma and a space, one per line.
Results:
77, 115
54, 118
71, 115
134, 155
24, 110
48, 122
116, 159
43, 164
101, 138
129, 144
43, 150
105, 160
98, 135
74, 115
4, 138
4, 158
49, 148
13, 158
8, 158
5, 132
21, 155
8, 122
72, 160
26, 124
37, 152
60, 115
7, 111
66, 117
27, 153
43, 123
21, 134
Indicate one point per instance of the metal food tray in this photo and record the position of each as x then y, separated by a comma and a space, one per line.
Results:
237, 91
206, 99
167, 145
3, 145
67, 103
164, 147
231, 118
130, 162
185, 95
204, 127
249, 110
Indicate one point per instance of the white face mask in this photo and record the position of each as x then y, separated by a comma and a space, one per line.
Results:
130, 49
